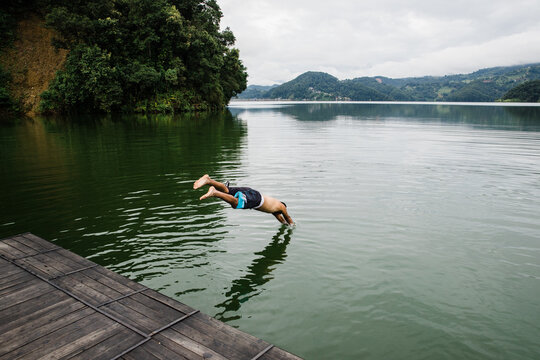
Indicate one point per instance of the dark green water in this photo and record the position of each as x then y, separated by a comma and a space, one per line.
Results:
417, 236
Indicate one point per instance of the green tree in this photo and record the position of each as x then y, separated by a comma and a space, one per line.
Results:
89, 82
158, 54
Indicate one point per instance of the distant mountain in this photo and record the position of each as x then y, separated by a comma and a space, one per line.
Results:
482, 85
310, 85
255, 91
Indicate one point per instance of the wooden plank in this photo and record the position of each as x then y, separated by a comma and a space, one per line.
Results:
8, 273
9, 251
220, 337
167, 300
63, 341
172, 313
132, 317
43, 317
96, 285
186, 347
34, 288
158, 350
80, 289
38, 264
36, 246
119, 279
75, 258
161, 350
151, 308
4, 265
207, 341
122, 340
118, 282
30, 310
279, 354
55, 260
78, 336
18, 284
8, 268
14, 340
14, 279
66, 263
38, 243
26, 250
8, 308
145, 352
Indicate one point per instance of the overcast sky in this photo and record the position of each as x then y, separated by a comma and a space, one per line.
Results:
281, 39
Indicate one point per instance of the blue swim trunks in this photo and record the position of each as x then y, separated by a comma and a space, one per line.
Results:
248, 198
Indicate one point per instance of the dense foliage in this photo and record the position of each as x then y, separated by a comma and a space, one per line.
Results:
142, 55
526, 92
483, 85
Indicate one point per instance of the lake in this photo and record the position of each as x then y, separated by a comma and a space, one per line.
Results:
417, 225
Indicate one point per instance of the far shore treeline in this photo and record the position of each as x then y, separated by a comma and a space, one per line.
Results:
486, 85
131, 55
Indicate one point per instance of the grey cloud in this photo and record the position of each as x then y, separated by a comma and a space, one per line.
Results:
281, 39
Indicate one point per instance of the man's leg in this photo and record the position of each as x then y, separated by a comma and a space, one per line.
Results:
207, 180
212, 192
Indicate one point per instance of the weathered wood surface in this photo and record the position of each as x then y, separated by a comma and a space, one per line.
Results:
55, 304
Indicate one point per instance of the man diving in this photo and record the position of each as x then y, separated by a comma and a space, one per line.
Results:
244, 198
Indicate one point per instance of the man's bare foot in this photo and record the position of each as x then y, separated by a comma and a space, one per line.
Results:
210, 193
201, 182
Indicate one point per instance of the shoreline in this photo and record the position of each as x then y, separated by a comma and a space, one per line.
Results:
455, 103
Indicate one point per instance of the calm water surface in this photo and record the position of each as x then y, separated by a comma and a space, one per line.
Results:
417, 236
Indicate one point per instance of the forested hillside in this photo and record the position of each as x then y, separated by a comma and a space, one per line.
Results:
526, 92
483, 85
256, 91
136, 55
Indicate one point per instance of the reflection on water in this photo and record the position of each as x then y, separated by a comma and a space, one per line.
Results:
512, 117
258, 273
114, 188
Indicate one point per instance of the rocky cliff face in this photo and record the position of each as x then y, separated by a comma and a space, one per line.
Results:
32, 62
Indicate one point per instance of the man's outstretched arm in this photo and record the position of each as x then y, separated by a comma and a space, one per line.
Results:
280, 218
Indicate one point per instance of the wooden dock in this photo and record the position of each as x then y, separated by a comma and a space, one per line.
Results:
55, 304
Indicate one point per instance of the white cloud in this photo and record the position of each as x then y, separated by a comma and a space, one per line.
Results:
508, 50
279, 39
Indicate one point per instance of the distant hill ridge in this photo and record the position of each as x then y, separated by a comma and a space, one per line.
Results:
484, 85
